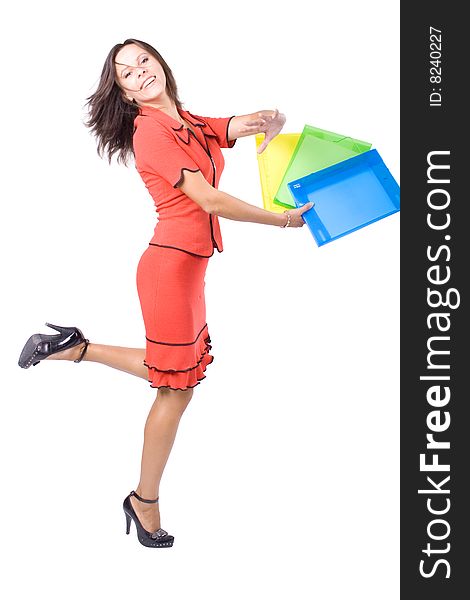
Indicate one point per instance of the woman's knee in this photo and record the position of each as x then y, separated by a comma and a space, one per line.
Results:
179, 398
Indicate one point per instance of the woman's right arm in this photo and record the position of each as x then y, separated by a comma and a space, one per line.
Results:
216, 202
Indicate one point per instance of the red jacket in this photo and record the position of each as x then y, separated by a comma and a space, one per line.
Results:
163, 149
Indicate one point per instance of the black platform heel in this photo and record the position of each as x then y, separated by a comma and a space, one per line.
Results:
39, 346
158, 539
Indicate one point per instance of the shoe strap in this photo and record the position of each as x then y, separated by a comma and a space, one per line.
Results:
143, 499
82, 353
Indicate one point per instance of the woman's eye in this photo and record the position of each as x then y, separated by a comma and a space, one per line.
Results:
144, 59
126, 75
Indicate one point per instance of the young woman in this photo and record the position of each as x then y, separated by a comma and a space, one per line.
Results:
135, 113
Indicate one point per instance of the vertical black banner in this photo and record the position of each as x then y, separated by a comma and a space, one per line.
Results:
435, 236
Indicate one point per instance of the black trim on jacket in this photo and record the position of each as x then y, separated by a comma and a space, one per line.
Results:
182, 175
231, 143
182, 250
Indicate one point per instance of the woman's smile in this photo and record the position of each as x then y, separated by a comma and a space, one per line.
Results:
149, 81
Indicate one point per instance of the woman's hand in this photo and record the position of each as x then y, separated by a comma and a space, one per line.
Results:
269, 122
295, 214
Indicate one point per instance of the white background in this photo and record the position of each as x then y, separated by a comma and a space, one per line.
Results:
283, 480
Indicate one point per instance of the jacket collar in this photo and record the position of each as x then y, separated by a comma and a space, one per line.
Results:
180, 130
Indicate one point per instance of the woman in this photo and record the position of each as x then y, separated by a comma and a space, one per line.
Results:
135, 112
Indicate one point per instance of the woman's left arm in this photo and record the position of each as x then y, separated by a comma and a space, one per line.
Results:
269, 122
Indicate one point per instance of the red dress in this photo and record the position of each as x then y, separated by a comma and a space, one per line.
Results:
170, 273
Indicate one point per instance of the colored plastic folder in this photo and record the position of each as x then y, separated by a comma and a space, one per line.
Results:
272, 164
316, 150
347, 196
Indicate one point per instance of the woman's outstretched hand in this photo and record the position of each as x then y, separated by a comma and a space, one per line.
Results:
296, 219
269, 122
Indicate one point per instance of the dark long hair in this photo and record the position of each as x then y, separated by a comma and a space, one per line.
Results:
110, 117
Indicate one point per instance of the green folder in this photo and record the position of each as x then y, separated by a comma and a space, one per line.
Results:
316, 150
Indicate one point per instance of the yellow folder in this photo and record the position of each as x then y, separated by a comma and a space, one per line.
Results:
272, 164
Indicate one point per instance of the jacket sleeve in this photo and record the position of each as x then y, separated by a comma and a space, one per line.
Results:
219, 126
157, 152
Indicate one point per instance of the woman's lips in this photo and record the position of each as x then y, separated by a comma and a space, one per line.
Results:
148, 82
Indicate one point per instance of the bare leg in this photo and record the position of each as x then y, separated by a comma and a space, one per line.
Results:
160, 428
129, 360
159, 434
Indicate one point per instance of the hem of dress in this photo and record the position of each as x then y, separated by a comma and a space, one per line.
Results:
189, 387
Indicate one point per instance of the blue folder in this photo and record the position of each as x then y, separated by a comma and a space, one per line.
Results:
346, 196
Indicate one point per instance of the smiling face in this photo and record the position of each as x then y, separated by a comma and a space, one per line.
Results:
140, 75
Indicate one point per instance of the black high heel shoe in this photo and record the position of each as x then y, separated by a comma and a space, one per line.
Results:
40, 346
158, 539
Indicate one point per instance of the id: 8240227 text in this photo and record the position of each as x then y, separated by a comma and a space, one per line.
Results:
435, 69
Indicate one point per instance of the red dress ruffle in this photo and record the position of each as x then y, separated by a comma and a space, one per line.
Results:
196, 356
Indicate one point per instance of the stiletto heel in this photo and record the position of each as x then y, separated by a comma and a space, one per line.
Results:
39, 346
157, 539
128, 522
